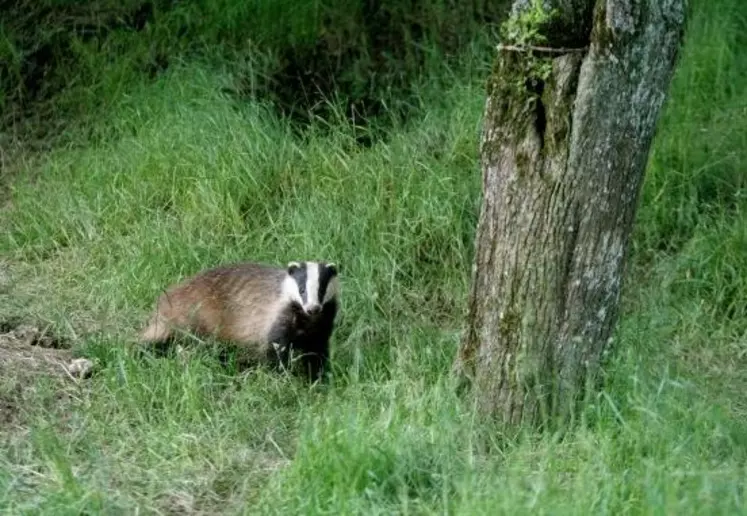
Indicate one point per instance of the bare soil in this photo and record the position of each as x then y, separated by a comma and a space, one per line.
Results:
26, 354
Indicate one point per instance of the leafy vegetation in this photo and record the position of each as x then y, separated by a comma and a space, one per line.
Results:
158, 175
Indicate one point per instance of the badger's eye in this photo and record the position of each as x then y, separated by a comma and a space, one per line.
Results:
302, 289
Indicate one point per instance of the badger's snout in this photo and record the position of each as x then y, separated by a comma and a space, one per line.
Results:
314, 309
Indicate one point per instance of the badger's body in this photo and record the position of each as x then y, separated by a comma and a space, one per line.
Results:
270, 311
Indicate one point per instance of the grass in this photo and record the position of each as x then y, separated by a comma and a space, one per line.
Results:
181, 176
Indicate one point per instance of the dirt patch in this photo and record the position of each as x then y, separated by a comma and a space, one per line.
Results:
26, 354
28, 350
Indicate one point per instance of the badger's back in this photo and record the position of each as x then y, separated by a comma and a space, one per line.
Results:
236, 303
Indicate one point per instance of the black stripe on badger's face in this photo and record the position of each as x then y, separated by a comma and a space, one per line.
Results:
299, 272
327, 282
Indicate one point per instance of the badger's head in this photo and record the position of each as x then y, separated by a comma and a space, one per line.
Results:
312, 285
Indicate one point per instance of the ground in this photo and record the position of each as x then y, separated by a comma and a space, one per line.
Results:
26, 354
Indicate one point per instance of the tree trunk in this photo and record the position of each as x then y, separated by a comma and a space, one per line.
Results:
568, 125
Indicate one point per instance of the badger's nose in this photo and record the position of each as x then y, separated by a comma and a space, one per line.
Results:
314, 309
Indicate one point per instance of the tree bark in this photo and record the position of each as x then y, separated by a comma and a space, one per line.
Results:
566, 134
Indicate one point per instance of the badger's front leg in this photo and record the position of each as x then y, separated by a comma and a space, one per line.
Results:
314, 364
315, 361
279, 354
280, 342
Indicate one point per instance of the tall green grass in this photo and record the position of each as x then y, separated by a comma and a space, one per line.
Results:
183, 177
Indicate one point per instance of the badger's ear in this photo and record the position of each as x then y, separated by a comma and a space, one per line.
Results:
332, 268
293, 267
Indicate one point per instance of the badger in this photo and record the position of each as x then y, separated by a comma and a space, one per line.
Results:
269, 311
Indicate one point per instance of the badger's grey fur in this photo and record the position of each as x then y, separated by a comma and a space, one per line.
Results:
267, 310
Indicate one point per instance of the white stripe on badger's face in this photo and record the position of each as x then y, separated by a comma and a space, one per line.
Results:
312, 286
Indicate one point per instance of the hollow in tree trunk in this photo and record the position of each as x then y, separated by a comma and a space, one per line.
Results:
569, 120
